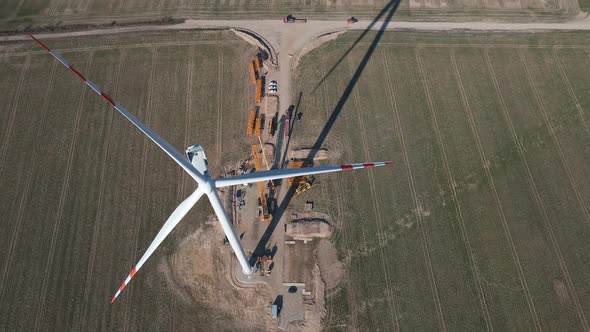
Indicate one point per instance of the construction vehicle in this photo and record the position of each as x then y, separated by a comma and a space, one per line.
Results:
287, 124
291, 19
240, 196
258, 125
258, 91
265, 216
251, 123
262, 263
305, 186
253, 72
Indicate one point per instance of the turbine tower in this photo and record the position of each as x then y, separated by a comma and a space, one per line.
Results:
195, 164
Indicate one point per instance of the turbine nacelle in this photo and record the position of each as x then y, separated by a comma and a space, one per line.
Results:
196, 155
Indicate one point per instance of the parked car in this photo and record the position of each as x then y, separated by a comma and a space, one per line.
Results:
272, 87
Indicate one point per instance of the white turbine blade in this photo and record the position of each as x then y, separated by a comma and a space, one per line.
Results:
229, 231
172, 221
292, 172
163, 144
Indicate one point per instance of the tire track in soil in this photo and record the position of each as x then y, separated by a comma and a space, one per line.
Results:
62, 200
146, 142
29, 180
122, 47
443, 154
483, 159
18, 7
543, 209
470, 45
376, 210
340, 210
560, 152
219, 104
567, 83
189, 84
90, 3
6, 138
102, 186
425, 247
51, 7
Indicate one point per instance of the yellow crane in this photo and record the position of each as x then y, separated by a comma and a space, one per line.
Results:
266, 216
272, 184
258, 125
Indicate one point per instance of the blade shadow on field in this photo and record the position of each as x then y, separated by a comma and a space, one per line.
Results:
392, 7
389, 10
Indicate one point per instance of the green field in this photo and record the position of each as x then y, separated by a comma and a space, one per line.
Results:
26, 14
484, 221
84, 192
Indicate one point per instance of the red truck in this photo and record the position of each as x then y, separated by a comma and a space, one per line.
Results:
291, 19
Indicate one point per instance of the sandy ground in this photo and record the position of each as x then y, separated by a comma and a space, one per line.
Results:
321, 154
327, 273
198, 272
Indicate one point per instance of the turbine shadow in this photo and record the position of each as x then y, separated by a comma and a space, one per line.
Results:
363, 34
260, 249
390, 9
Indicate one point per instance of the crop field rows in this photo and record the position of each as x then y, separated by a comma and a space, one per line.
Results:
85, 193
483, 223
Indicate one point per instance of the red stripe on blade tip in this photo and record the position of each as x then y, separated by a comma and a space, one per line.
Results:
133, 272
113, 299
368, 165
80, 76
107, 98
40, 43
389, 162
346, 167
122, 287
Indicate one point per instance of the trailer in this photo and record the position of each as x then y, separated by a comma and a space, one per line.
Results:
287, 124
291, 19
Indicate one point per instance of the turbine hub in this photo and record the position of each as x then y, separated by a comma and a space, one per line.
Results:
207, 187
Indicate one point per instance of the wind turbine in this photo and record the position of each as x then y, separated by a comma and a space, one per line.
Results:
195, 164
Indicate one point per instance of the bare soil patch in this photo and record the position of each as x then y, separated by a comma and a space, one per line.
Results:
321, 154
199, 273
